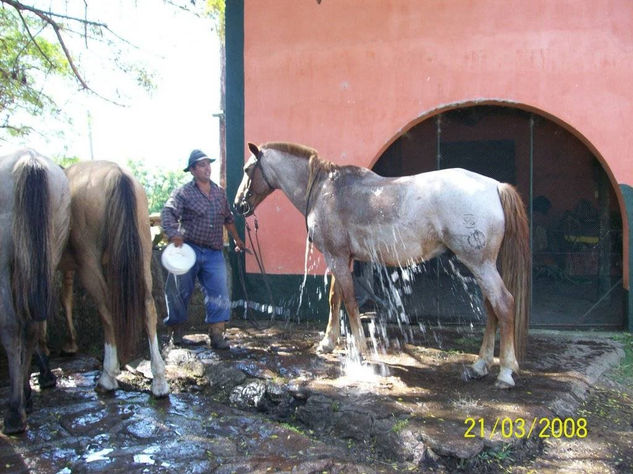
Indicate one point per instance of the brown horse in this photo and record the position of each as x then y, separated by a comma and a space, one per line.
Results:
34, 215
352, 213
110, 249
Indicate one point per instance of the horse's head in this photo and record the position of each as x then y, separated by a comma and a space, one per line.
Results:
254, 186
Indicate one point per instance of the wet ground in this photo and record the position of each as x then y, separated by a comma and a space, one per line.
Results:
273, 404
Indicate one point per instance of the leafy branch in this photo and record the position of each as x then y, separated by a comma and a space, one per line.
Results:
39, 46
49, 18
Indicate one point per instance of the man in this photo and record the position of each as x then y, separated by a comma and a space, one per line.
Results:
195, 214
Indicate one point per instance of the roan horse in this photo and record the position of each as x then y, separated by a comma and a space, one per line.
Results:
352, 213
34, 216
110, 249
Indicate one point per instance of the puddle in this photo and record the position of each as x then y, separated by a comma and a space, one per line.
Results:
144, 459
276, 404
101, 455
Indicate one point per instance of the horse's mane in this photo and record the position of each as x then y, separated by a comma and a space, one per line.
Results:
316, 164
292, 148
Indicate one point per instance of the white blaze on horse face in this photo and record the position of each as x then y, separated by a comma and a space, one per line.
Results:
246, 183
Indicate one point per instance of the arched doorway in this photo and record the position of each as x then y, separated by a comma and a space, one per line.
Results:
574, 215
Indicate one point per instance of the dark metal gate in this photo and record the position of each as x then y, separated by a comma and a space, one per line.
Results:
576, 226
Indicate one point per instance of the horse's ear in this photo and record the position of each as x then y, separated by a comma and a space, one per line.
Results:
254, 150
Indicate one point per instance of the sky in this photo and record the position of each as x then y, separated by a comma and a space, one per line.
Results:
160, 128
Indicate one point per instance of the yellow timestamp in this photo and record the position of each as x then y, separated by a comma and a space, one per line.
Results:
520, 428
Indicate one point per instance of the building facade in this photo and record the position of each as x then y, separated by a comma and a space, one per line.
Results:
535, 93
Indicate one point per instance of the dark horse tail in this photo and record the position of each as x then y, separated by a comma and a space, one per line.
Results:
123, 265
32, 231
516, 263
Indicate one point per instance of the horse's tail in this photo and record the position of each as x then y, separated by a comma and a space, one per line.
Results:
123, 265
32, 229
516, 262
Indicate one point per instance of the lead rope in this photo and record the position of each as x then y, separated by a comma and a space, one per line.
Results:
260, 262
241, 272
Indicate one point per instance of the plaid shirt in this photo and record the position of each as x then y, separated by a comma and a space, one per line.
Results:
201, 217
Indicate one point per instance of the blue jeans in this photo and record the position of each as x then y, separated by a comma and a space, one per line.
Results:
210, 269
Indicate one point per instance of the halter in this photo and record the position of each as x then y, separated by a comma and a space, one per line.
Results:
258, 165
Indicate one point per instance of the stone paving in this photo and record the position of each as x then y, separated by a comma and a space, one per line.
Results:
273, 404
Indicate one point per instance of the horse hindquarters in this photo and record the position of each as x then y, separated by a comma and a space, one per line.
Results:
34, 259
128, 275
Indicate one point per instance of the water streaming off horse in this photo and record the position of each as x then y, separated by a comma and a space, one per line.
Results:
351, 213
399, 305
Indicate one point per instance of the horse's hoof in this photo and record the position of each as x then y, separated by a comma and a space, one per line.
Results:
106, 384
471, 373
14, 424
504, 380
160, 389
325, 347
47, 380
503, 385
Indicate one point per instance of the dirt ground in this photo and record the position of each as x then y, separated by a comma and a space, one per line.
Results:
272, 404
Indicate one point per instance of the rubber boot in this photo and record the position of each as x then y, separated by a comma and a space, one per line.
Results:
176, 332
216, 336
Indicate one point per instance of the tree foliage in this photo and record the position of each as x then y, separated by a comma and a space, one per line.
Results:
40, 45
215, 9
26, 60
66, 161
158, 183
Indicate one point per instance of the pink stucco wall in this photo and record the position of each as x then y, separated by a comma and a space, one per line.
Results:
347, 76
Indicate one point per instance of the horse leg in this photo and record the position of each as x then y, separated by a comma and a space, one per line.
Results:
13, 341
70, 346
160, 388
92, 279
507, 354
502, 304
481, 367
34, 336
46, 378
340, 269
333, 331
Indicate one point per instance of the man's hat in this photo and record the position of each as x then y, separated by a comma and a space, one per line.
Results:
197, 155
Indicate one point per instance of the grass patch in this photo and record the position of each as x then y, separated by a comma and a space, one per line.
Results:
494, 459
624, 372
399, 425
466, 345
293, 428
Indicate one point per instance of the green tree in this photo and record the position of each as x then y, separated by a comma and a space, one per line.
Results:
25, 61
39, 47
158, 184
216, 9
66, 161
